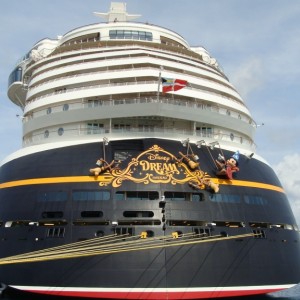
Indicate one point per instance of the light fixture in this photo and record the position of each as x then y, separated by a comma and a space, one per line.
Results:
212, 145
105, 141
211, 224
114, 223
185, 142
200, 143
33, 223
250, 155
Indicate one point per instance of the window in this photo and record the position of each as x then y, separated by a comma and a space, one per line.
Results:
15, 75
46, 134
255, 200
52, 196
119, 196
197, 197
94, 103
204, 131
175, 196
122, 127
225, 198
145, 195
94, 128
91, 195
60, 131
49, 110
138, 214
130, 35
66, 107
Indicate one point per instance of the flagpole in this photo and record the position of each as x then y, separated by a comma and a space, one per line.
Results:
159, 82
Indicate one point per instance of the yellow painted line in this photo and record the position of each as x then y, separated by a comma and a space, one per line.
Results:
53, 180
252, 184
105, 178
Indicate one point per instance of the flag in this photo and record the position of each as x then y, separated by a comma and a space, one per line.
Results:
170, 84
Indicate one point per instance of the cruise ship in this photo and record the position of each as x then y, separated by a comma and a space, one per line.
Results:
138, 176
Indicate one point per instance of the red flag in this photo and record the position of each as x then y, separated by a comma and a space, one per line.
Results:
170, 84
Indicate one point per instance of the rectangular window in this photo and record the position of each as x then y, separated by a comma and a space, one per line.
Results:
198, 197
127, 34
54, 196
94, 128
142, 35
255, 200
91, 195
136, 195
130, 34
176, 196
204, 131
113, 34
225, 198
120, 34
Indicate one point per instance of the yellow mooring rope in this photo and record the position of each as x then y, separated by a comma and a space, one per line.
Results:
114, 244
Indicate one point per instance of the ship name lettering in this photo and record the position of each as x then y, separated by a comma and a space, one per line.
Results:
158, 167
153, 156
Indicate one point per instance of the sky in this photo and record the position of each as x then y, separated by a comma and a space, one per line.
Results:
257, 43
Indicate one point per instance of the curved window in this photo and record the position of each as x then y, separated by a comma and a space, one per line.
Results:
15, 75
60, 131
130, 35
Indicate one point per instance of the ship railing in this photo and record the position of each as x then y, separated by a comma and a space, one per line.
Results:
170, 100
135, 132
31, 89
95, 48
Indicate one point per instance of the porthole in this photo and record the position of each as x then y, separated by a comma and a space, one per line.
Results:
232, 136
49, 110
60, 131
66, 107
46, 133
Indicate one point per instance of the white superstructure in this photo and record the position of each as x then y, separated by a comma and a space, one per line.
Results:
103, 80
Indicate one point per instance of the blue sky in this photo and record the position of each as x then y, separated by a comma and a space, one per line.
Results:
257, 42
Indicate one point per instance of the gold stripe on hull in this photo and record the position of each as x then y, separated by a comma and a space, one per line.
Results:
105, 178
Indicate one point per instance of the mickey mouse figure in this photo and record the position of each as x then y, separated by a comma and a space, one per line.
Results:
228, 167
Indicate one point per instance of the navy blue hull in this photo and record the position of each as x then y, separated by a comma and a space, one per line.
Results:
249, 241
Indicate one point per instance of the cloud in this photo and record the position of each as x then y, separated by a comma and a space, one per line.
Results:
249, 76
288, 173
